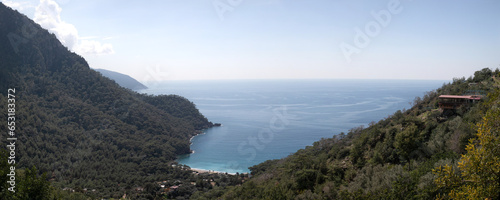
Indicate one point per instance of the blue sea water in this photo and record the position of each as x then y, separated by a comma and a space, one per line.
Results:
270, 119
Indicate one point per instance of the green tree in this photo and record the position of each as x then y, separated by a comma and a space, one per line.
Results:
407, 141
29, 185
4, 169
478, 173
306, 179
33, 186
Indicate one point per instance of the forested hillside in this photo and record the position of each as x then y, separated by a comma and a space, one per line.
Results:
81, 128
80, 135
412, 154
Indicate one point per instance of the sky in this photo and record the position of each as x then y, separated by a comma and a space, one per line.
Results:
158, 40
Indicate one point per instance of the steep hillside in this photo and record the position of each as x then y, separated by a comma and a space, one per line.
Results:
391, 159
81, 128
123, 80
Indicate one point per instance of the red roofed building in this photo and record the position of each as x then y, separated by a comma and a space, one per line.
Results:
455, 101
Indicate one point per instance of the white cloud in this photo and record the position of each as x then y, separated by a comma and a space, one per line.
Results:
48, 15
20, 6
94, 47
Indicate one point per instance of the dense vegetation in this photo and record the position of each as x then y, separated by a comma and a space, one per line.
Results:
412, 154
477, 174
180, 183
80, 136
83, 130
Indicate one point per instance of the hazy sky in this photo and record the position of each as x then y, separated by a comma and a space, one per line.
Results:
271, 39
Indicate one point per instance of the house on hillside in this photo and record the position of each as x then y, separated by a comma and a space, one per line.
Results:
451, 102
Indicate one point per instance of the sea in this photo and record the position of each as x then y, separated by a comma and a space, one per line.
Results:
271, 119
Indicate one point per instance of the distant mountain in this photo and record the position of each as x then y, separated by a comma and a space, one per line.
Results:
122, 79
82, 129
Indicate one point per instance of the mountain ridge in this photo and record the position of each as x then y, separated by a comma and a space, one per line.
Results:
81, 128
122, 79
100, 140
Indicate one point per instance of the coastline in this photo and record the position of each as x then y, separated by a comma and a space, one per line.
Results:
192, 137
201, 171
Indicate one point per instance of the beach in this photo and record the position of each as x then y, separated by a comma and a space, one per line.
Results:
209, 171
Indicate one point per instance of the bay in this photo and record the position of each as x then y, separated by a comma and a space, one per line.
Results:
270, 119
